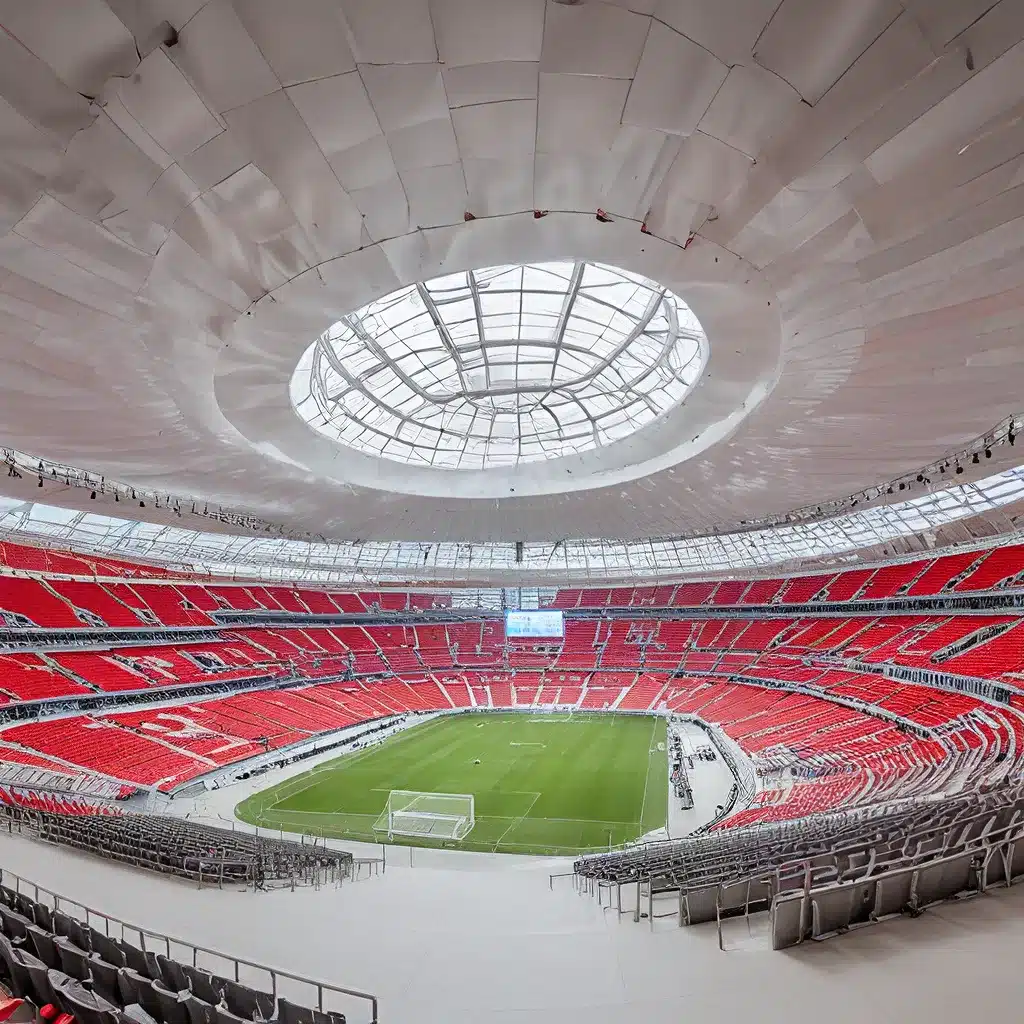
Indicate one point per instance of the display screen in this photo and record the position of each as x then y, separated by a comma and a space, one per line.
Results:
546, 623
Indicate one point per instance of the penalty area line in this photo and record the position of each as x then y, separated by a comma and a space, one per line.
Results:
515, 821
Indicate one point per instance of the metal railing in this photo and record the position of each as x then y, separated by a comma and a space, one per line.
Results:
299, 986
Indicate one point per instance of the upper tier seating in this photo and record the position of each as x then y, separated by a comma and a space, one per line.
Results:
962, 572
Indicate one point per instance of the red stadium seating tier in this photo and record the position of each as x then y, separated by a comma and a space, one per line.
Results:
813, 754
30, 677
984, 646
998, 568
18, 758
35, 600
20, 797
46, 560
105, 749
969, 571
96, 599
172, 606
985, 569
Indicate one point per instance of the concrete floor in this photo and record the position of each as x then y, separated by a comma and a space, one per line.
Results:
495, 945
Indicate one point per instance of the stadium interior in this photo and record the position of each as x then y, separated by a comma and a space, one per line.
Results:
513, 510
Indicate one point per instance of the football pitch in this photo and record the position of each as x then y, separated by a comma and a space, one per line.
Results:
544, 784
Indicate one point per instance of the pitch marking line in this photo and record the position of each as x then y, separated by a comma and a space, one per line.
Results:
647, 777
283, 790
516, 821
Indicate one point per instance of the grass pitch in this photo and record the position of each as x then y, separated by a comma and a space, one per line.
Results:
544, 784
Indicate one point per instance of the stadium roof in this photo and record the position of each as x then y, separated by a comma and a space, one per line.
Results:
188, 205
281, 558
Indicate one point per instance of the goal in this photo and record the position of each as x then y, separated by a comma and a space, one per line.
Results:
427, 815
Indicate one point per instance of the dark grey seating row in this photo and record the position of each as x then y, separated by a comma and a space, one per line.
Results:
52, 959
176, 846
814, 850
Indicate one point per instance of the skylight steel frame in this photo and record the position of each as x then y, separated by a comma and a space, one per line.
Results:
641, 374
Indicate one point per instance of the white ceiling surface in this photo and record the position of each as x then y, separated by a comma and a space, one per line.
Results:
175, 231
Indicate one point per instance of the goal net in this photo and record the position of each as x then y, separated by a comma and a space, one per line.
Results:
428, 815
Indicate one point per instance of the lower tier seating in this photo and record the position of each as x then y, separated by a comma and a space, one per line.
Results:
55, 961
850, 738
175, 846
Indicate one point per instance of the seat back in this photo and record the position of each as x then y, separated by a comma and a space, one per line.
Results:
202, 984
15, 926
73, 961
248, 1003
104, 979
108, 949
173, 975
43, 945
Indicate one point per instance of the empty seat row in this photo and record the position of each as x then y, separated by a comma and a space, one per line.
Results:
53, 959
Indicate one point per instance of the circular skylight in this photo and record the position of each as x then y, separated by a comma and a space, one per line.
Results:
507, 365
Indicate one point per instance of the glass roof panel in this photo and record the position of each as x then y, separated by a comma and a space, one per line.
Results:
518, 364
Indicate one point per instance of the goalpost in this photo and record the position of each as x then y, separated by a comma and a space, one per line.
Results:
427, 815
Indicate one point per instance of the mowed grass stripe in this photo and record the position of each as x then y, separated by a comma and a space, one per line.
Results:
541, 786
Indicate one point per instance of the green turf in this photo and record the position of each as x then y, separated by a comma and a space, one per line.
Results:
543, 786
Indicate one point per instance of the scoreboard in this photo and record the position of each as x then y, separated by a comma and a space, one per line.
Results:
539, 624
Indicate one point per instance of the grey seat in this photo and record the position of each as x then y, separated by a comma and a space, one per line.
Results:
172, 1004
202, 984
104, 979
173, 975
248, 1003
25, 905
42, 978
74, 962
15, 925
43, 916
21, 980
77, 932
134, 988
42, 944
225, 1016
135, 958
289, 1013
108, 949
83, 1004
153, 968
199, 1011
135, 1014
